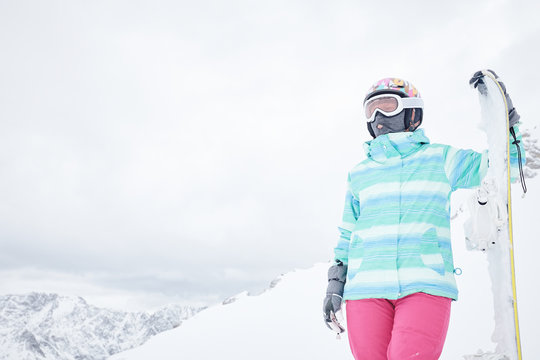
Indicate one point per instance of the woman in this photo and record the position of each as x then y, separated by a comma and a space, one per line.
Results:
393, 262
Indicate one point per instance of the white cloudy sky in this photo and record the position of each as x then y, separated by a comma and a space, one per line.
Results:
156, 151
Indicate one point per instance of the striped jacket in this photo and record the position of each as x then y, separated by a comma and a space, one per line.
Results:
395, 235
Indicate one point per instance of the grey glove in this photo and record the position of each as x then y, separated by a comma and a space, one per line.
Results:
477, 81
337, 275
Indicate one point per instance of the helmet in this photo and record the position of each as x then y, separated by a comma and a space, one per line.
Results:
402, 88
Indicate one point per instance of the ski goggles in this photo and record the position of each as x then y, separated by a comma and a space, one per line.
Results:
390, 105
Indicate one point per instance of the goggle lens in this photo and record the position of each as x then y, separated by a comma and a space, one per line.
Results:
386, 104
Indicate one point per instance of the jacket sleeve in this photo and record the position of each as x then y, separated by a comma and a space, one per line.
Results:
351, 211
466, 168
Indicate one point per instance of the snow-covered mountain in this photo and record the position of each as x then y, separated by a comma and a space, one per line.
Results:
49, 326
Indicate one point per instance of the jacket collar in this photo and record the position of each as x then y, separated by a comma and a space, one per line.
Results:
392, 145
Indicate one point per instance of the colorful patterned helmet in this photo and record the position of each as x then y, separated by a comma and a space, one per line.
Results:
394, 86
402, 88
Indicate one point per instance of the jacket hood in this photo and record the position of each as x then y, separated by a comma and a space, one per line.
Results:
391, 145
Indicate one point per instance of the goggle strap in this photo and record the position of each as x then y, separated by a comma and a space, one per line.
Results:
412, 102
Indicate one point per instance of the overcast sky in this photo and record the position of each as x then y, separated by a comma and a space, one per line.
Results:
157, 151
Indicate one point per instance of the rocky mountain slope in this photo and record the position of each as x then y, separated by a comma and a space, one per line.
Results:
49, 326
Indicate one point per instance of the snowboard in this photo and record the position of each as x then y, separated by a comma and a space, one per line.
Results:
489, 228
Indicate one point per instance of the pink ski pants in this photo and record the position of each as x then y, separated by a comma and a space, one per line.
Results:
413, 327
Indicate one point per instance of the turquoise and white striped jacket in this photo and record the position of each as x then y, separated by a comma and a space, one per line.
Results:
395, 235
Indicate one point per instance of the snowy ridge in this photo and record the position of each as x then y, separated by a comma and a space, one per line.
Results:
284, 322
49, 326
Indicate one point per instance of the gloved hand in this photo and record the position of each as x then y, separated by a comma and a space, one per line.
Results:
477, 81
337, 275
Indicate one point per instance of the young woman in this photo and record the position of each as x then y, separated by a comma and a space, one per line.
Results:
393, 262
